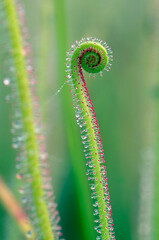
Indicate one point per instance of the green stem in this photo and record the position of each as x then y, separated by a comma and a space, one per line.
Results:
93, 57
31, 145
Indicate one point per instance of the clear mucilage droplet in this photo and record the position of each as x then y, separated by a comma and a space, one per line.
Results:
24, 200
6, 81
21, 190
29, 234
19, 176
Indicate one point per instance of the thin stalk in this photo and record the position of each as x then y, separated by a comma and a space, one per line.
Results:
91, 56
31, 146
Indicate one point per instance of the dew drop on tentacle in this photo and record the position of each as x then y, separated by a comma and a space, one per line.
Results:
19, 176
21, 190
29, 234
24, 200
6, 81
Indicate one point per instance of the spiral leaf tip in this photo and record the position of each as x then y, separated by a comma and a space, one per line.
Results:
90, 54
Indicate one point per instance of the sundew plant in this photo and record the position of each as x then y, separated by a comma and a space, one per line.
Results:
90, 55
28, 140
93, 56
79, 143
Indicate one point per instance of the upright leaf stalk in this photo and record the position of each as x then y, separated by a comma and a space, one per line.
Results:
93, 56
31, 158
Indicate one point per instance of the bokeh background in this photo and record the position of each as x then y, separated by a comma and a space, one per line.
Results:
125, 101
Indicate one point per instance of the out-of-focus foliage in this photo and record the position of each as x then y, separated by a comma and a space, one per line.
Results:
123, 100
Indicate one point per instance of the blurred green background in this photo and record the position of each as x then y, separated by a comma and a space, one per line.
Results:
124, 101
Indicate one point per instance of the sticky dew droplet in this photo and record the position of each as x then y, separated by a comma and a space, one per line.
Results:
17, 124
29, 234
21, 190
15, 145
84, 137
19, 176
101, 73
68, 65
6, 81
92, 187
24, 200
77, 115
